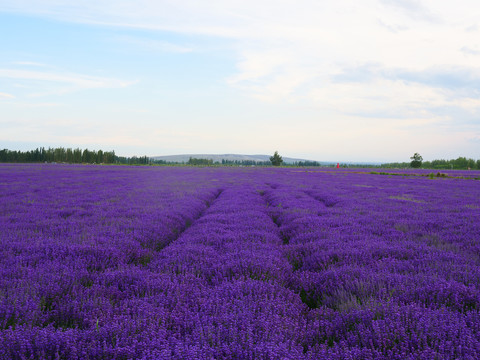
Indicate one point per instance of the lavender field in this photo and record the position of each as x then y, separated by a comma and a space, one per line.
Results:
110, 262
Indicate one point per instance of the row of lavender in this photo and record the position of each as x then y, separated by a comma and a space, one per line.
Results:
73, 239
126, 263
388, 266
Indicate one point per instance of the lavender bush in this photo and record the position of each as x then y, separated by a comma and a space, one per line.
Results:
106, 262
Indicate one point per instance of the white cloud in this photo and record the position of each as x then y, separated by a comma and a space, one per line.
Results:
29, 63
394, 28
81, 81
154, 45
289, 38
5, 95
414, 9
26, 105
472, 28
469, 51
67, 82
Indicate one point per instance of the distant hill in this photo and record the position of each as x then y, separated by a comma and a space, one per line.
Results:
230, 157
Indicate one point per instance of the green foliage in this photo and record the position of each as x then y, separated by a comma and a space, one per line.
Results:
416, 160
204, 162
276, 159
71, 156
63, 155
306, 163
245, 163
461, 163
134, 160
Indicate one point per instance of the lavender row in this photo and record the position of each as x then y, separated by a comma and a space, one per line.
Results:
246, 311
217, 290
72, 239
384, 253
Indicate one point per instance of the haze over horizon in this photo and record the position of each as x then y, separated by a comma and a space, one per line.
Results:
346, 81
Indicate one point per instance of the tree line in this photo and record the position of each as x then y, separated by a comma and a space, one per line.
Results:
306, 163
460, 163
73, 156
60, 154
210, 162
245, 163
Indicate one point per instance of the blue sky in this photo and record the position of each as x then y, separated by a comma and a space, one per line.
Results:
375, 80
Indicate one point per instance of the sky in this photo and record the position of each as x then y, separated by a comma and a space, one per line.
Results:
344, 80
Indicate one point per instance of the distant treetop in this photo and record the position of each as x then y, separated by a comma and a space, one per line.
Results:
276, 159
416, 160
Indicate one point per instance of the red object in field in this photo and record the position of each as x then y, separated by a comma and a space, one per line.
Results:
338, 165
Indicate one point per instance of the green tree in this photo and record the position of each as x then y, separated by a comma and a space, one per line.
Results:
460, 163
470, 164
416, 160
276, 159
